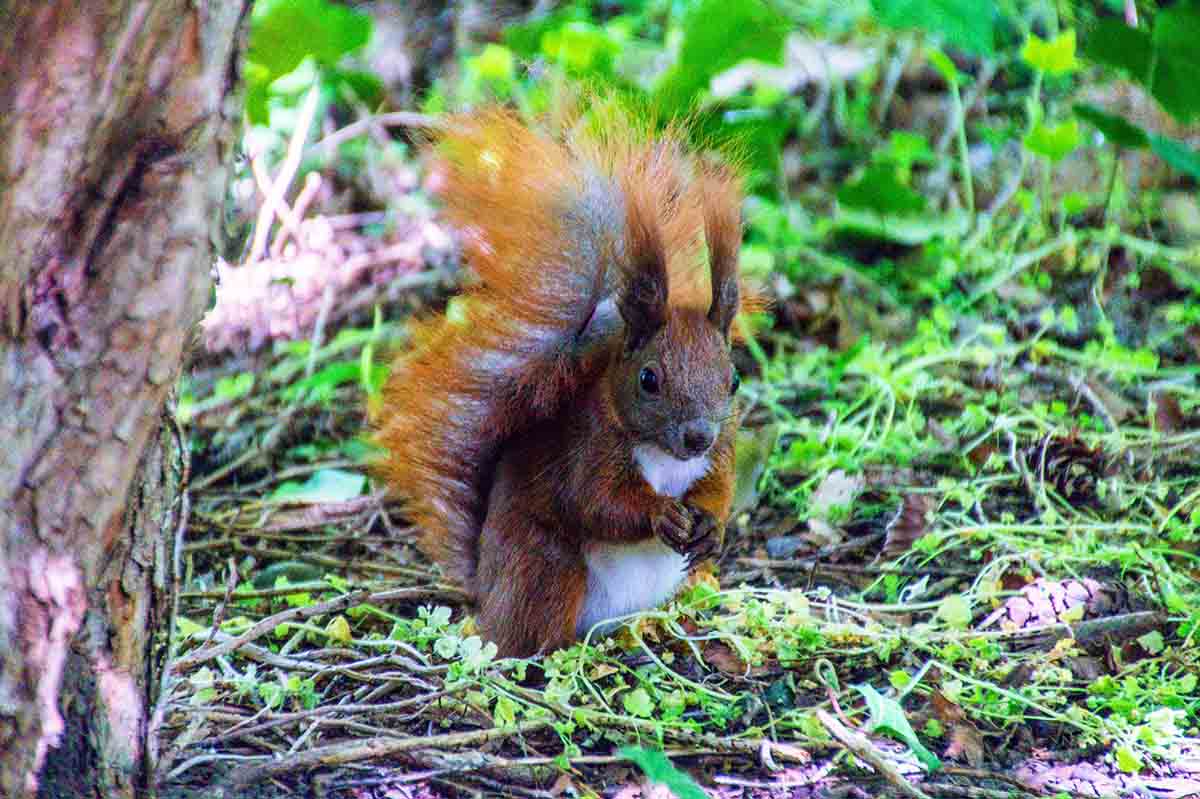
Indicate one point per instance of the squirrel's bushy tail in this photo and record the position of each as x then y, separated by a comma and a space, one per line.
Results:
546, 230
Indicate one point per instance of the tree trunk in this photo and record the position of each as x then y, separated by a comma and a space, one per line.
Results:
114, 134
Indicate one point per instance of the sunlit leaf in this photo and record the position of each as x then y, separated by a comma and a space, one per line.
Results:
324, 485
1054, 57
888, 717
495, 63
1054, 141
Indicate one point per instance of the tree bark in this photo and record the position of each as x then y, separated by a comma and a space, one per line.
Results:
115, 131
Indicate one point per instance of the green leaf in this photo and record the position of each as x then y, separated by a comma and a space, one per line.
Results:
966, 24
1116, 129
580, 47
955, 611
907, 230
1128, 760
284, 32
888, 717
1054, 57
330, 377
1163, 60
659, 769
945, 67
1177, 154
496, 63
879, 190
235, 387
905, 148
257, 78
719, 34
638, 703
526, 38
1152, 642
324, 485
365, 86
1176, 40
1114, 44
1054, 142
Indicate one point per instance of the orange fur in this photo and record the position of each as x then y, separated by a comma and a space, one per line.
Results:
551, 225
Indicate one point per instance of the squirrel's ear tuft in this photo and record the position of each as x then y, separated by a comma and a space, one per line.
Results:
721, 197
643, 297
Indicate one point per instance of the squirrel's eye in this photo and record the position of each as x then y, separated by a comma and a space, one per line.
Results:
737, 381
648, 380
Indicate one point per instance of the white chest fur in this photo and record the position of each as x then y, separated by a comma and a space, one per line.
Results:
665, 473
627, 578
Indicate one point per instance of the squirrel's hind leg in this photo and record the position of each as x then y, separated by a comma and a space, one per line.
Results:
530, 585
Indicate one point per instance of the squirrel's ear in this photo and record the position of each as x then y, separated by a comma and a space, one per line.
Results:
724, 304
723, 235
643, 304
642, 299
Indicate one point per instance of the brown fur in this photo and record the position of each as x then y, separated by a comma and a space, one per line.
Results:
503, 432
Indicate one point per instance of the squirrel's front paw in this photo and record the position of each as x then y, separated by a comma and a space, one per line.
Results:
706, 536
674, 527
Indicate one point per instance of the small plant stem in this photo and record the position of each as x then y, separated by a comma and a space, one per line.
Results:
960, 115
1111, 191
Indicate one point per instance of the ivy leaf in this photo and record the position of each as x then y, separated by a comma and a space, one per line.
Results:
888, 717
284, 32
1054, 142
1117, 130
1054, 57
660, 770
967, 24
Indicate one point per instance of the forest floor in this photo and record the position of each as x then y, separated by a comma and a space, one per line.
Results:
964, 559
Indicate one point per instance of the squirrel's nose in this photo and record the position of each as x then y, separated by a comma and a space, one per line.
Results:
698, 436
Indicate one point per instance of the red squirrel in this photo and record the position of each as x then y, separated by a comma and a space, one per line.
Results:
565, 438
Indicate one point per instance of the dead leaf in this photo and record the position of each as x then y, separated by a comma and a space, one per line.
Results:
753, 448
837, 489
1168, 416
906, 526
966, 742
724, 659
947, 712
